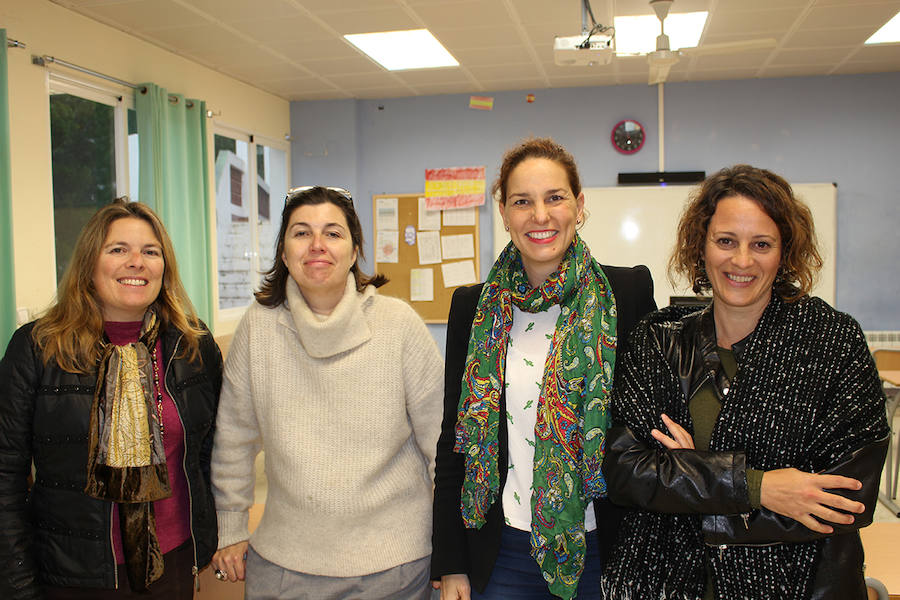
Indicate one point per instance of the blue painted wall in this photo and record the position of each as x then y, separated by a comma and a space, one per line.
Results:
843, 129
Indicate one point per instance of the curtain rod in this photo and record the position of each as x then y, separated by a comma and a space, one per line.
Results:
43, 60
11, 43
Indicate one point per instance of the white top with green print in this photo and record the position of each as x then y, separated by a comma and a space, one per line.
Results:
529, 344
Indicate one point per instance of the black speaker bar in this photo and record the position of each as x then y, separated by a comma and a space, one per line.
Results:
664, 177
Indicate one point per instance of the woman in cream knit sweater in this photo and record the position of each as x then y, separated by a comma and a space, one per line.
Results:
341, 388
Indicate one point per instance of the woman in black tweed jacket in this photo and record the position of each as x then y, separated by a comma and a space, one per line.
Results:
749, 436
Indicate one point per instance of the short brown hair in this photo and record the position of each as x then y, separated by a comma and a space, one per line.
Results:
800, 259
272, 292
72, 329
536, 148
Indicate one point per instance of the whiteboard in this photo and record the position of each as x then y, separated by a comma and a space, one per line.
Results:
629, 226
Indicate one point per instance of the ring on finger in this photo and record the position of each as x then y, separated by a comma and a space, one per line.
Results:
220, 575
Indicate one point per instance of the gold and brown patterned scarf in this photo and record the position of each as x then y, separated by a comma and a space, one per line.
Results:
126, 458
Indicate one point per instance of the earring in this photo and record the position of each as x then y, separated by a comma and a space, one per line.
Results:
506, 227
701, 280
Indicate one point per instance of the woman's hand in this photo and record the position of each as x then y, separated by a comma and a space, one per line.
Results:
801, 496
679, 438
230, 560
455, 587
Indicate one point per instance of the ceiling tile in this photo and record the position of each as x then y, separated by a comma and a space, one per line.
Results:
795, 71
716, 74
235, 12
344, 5
854, 14
461, 14
820, 56
817, 38
579, 81
481, 36
264, 70
447, 88
851, 67
146, 15
491, 56
302, 94
429, 76
752, 23
566, 14
302, 50
382, 92
515, 84
369, 20
880, 52
508, 71
187, 38
740, 60
353, 64
728, 6
285, 28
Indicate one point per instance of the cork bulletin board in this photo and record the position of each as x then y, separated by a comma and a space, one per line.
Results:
456, 236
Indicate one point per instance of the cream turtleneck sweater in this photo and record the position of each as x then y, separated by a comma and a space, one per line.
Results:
348, 411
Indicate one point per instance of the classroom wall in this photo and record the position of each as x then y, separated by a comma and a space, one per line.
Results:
844, 130
49, 29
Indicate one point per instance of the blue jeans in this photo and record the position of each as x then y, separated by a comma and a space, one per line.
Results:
516, 576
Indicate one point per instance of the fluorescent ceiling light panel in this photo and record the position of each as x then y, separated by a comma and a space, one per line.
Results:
889, 32
401, 50
638, 34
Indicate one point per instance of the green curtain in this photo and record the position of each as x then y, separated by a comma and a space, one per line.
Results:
7, 266
173, 181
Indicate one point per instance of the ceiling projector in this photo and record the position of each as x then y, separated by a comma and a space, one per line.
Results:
582, 50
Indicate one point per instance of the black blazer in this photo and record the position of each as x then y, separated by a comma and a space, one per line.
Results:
456, 549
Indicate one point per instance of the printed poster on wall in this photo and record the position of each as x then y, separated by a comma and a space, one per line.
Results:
454, 187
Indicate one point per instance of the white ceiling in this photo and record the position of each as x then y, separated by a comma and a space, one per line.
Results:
295, 48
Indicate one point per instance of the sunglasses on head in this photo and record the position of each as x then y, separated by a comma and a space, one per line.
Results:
305, 188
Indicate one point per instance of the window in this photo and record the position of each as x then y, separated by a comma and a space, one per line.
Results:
91, 130
251, 183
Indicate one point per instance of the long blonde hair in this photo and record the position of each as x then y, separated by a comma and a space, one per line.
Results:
72, 329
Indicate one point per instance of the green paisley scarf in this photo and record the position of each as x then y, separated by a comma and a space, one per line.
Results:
572, 414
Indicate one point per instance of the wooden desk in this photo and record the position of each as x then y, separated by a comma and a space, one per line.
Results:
880, 543
891, 376
889, 496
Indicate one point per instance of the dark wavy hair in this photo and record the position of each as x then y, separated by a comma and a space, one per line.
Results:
272, 292
535, 148
800, 258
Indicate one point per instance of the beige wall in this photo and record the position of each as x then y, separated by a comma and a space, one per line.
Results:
49, 29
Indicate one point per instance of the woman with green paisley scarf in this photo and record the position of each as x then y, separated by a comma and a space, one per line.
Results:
520, 508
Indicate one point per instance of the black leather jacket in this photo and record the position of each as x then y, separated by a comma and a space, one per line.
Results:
714, 484
53, 533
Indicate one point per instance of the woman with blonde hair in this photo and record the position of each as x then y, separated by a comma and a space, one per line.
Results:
111, 396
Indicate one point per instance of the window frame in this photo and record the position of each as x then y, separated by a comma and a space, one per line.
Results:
121, 99
233, 314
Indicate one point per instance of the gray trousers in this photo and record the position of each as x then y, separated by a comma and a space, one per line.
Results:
267, 581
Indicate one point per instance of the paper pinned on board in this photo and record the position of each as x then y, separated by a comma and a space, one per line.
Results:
429, 220
421, 285
458, 273
387, 247
457, 246
429, 245
459, 217
386, 214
